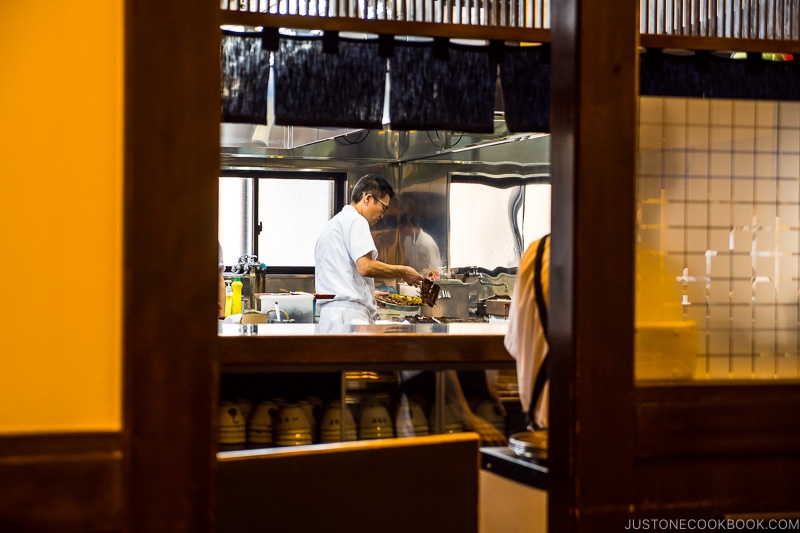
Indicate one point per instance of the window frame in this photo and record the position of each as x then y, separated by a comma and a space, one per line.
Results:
339, 179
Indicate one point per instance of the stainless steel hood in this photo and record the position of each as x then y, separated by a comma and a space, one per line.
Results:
291, 147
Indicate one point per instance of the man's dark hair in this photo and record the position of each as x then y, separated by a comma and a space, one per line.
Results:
371, 184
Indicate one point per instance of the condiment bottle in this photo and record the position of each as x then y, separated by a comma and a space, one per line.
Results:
236, 297
228, 298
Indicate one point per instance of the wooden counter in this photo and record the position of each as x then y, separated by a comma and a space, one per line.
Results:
288, 347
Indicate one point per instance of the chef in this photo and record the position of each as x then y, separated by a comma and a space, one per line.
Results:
345, 256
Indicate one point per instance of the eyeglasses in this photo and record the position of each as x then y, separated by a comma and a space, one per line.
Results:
383, 205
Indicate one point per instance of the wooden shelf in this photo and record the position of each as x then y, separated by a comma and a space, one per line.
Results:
389, 27
487, 32
696, 42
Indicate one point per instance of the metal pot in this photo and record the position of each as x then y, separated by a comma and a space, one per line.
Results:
497, 306
453, 300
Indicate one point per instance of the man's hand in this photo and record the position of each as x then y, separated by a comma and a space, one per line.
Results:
372, 268
411, 276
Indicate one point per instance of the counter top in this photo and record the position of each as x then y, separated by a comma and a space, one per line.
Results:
395, 328
504, 462
288, 347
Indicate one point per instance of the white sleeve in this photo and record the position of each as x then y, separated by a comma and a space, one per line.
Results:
359, 239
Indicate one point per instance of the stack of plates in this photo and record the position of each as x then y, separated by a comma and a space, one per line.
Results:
507, 385
369, 381
532, 444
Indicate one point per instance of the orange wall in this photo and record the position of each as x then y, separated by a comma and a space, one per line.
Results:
61, 103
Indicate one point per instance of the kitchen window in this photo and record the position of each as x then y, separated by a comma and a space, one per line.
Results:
276, 216
493, 219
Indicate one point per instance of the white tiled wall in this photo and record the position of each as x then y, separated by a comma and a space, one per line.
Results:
719, 196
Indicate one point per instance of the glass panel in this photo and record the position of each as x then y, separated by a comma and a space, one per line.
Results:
288, 234
718, 249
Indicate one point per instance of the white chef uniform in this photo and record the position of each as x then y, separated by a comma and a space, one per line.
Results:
345, 239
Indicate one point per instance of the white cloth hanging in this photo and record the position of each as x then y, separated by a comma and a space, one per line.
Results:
525, 339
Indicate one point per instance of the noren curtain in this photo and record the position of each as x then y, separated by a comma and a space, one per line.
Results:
245, 75
341, 86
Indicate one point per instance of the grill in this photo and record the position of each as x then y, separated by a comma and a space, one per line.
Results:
419, 319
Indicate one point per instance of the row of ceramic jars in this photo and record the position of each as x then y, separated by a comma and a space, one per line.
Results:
280, 423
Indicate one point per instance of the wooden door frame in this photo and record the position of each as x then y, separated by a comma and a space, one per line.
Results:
171, 153
593, 122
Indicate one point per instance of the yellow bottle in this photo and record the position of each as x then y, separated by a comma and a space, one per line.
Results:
236, 297
228, 298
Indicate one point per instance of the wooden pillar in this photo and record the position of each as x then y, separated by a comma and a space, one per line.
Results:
593, 120
170, 271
